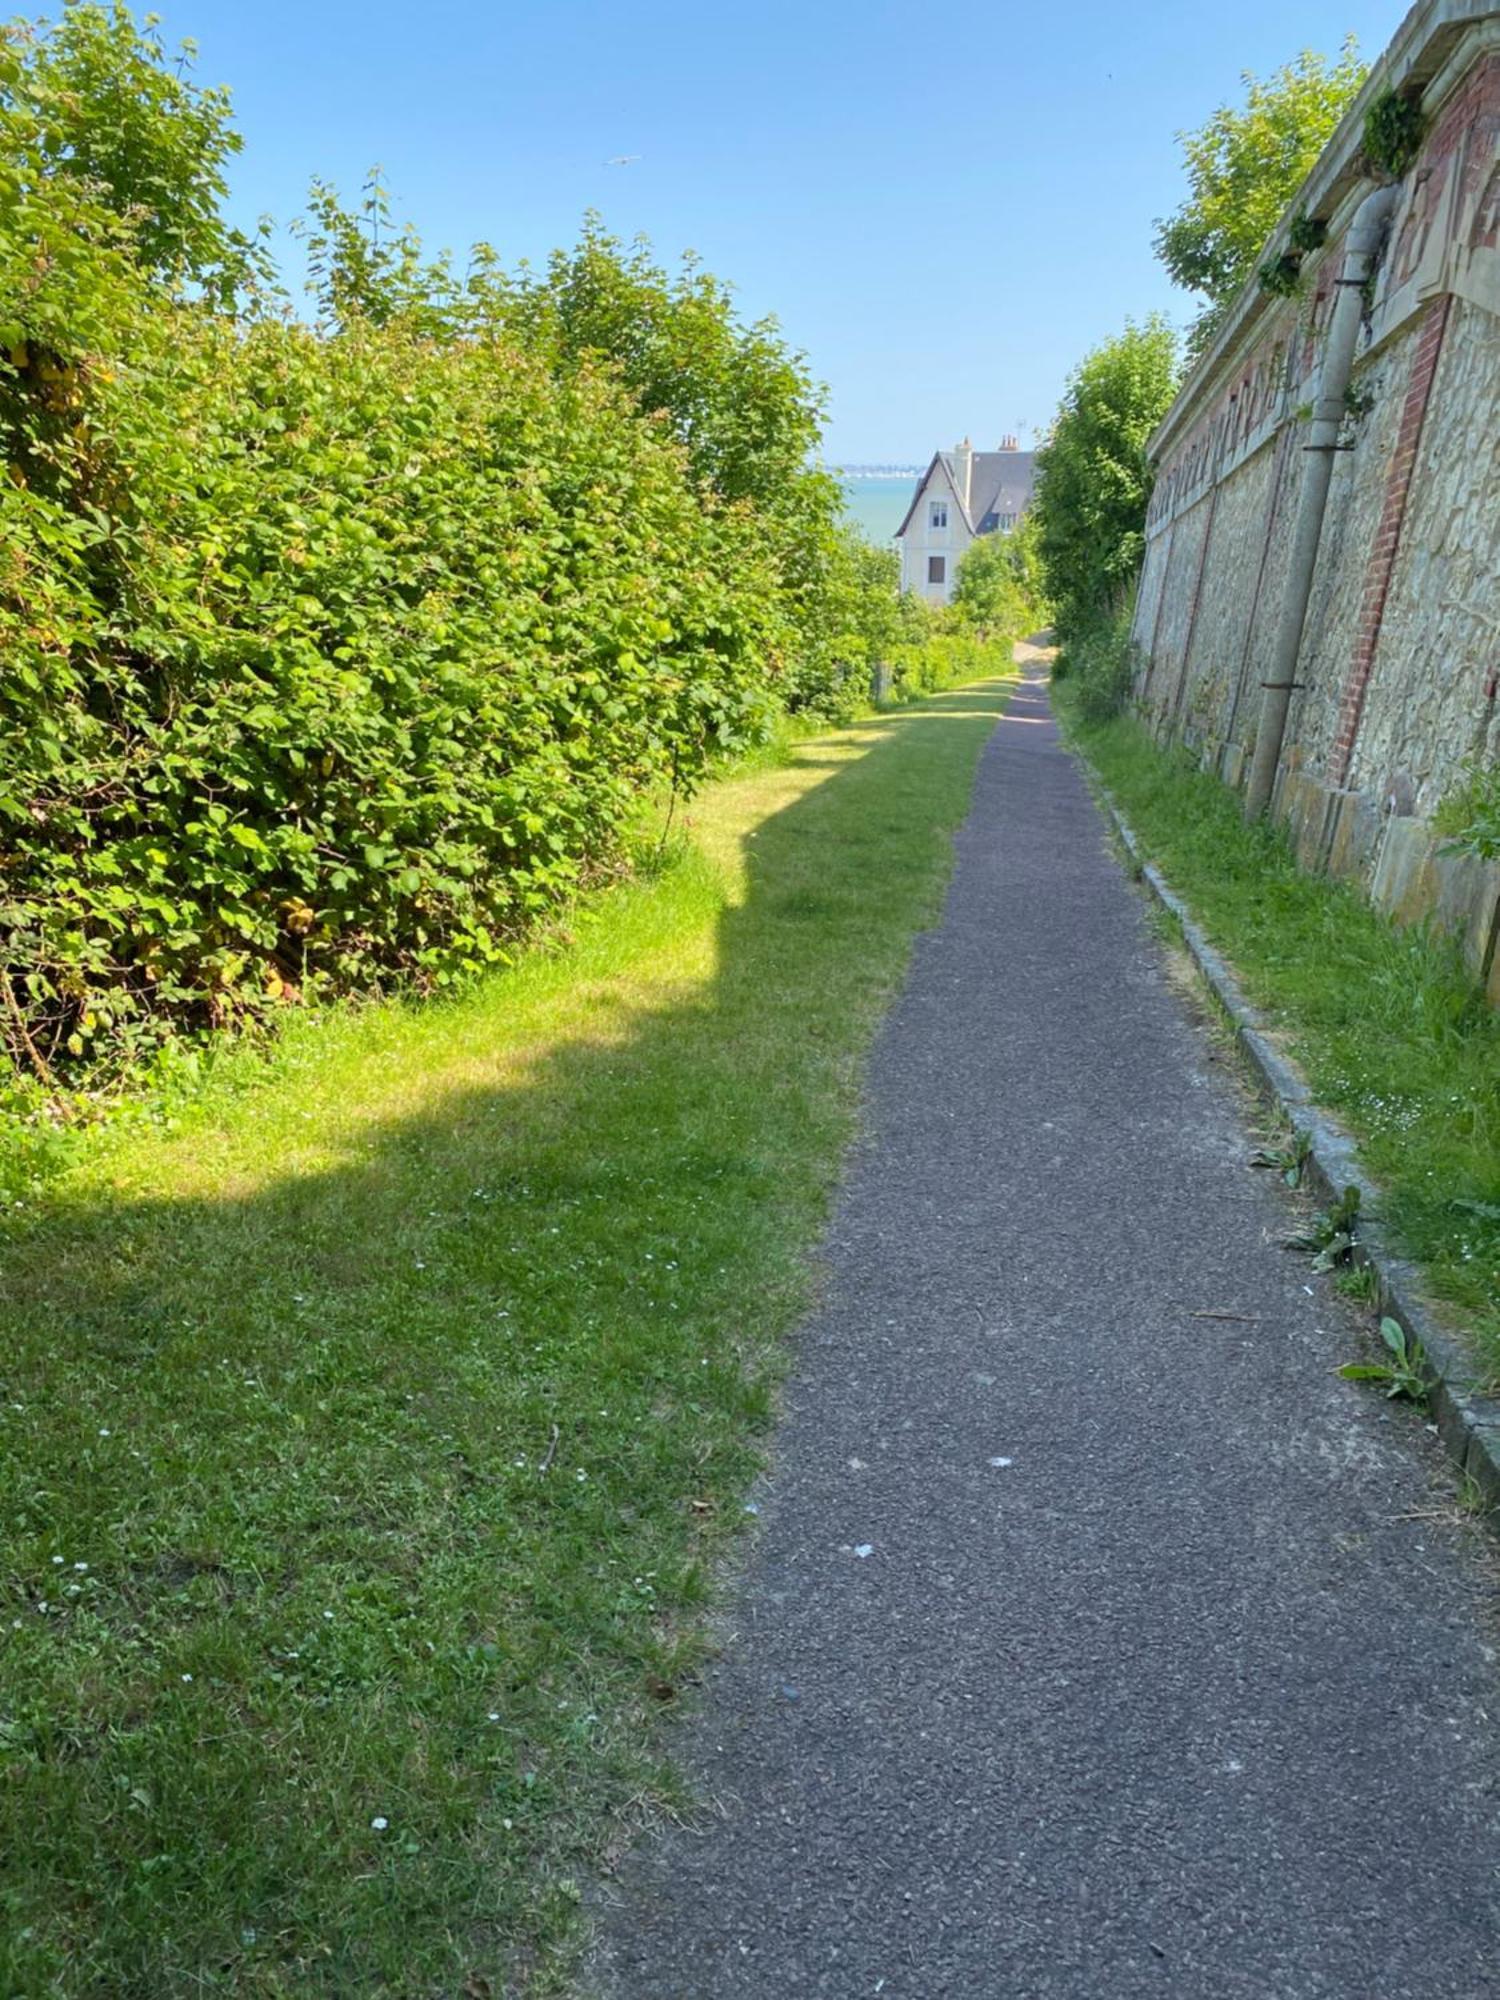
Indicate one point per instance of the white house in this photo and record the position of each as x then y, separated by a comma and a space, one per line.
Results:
963, 494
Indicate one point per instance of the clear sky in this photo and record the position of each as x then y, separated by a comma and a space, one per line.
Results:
945, 207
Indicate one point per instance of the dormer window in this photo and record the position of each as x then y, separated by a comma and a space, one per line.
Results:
937, 514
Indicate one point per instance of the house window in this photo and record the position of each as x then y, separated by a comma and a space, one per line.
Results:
1007, 523
937, 514
937, 569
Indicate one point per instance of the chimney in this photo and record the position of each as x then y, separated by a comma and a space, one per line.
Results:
963, 465
1008, 443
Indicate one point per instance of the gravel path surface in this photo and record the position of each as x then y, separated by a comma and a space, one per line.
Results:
1089, 1648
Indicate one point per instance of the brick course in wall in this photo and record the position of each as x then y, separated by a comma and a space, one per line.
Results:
1382, 558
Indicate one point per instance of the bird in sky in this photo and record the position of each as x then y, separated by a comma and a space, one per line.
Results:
623, 160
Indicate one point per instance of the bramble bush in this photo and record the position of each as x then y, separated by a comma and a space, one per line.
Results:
339, 654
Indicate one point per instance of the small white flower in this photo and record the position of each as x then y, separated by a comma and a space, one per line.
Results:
104, 1434
187, 1677
380, 1822
81, 1568
59, 1560
327, 1614
494, 1715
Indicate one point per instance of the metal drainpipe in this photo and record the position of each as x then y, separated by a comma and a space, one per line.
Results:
1361, 248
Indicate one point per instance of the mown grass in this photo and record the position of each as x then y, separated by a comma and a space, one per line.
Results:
370, 1437
1390, 1028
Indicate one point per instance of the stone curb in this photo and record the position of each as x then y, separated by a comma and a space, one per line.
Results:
1468, 1419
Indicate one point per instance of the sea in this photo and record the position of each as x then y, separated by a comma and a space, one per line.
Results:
877, 501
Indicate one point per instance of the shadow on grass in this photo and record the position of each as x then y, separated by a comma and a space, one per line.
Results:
358, 1521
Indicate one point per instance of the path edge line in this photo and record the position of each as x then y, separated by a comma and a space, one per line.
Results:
1467, 1418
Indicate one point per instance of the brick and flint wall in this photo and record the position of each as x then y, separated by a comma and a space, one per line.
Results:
1399, 671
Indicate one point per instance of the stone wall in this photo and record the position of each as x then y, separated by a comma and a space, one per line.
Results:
1397, 680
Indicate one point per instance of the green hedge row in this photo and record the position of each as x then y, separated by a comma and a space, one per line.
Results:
366, 660
334, 654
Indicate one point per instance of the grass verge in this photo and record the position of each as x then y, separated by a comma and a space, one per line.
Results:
1390, 1029
368, 1438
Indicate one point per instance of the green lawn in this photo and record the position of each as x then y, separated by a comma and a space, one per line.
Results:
370, 1438
1392, 1032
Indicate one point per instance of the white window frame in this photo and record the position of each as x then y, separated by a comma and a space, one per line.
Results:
937, 513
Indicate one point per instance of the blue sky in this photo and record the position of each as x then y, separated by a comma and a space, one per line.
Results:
944, 207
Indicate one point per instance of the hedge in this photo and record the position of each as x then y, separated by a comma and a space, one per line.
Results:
337, 654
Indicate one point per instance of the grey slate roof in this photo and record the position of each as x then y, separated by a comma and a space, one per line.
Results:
1000, 482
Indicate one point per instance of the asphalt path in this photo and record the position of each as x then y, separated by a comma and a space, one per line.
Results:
1098, 1640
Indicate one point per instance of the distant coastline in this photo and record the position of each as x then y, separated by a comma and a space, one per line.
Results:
876, 497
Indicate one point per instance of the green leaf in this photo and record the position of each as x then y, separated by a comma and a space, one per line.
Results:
1393, 1333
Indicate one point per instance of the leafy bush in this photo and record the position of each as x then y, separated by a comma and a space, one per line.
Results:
944, 660
1395, 126
741, 403
999, 585
313, 728
1099, 662
339, 654
1094, 479
749, 416
1470, 816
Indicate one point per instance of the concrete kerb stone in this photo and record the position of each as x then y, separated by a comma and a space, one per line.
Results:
1468, 1419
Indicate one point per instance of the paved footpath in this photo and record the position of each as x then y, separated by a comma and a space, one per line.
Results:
1090, 1648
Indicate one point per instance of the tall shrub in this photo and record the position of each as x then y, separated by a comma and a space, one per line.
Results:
1093, 476
328, 656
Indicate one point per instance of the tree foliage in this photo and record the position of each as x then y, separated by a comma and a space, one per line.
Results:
1244, 165
103, 131
1093, 476
743, 404
999, 583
